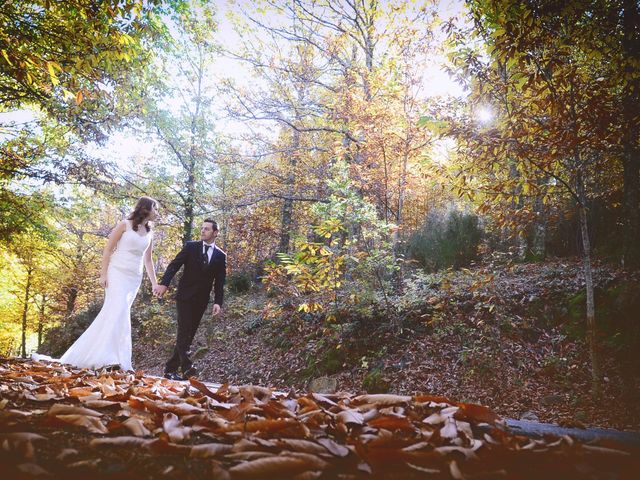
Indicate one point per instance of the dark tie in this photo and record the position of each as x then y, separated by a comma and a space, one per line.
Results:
206, 253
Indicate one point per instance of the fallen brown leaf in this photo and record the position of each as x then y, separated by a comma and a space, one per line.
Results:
92, 424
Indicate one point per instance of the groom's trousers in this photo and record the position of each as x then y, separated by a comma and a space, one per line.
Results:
189, 316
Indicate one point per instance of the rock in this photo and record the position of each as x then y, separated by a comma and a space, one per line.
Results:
323, 385
529, 417
550, 400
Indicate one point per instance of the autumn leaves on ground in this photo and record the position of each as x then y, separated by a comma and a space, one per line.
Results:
509, 336
73, 423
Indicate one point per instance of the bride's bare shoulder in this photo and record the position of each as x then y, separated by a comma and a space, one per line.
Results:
120, 227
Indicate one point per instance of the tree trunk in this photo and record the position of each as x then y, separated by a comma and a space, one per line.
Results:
518, 238
285, 229
539, 229
41, 320
631, 131
25, 310
287, 206
224, 211
189, 210
194, 152
71, 301
402, 186
369, 46
588, 280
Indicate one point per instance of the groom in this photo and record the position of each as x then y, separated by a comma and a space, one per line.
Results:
205, 266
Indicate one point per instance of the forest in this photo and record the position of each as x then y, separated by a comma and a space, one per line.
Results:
414, 198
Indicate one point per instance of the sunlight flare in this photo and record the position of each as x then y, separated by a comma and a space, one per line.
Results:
484, 114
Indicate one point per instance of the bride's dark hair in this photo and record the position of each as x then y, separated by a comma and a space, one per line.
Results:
141, 213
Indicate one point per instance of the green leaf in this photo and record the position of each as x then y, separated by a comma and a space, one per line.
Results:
6, 57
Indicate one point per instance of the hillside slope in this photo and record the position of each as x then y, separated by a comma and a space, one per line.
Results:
510, 337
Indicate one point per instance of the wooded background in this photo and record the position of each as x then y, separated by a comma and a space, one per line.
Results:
336, 174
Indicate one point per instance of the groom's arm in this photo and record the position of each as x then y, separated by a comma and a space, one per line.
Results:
174, 266
218, 286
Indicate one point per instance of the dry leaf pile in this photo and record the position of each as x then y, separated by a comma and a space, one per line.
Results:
71, 423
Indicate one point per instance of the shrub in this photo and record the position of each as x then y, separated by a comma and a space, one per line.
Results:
349, 264
252, 324
445, 240
60, 338
153, 320
238, 282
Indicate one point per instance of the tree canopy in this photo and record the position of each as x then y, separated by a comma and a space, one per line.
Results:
348, 183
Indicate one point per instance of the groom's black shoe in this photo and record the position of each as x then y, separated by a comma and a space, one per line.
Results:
172, 376
190, 372
113, 367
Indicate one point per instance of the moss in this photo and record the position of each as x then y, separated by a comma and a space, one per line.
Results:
325, 362
577, 306
282, 342
200, 352
374, 382
616, 316
331, 361
532, 257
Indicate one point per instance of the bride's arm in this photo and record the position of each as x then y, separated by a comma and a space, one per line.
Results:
114, 236
149, 266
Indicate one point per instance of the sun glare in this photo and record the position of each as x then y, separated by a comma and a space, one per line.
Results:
484, 114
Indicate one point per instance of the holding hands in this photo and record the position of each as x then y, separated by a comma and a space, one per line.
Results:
159, 290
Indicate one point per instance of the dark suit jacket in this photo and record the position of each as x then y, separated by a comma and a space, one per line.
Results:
199, 276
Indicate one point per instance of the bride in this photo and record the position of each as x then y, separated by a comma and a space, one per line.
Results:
107, 341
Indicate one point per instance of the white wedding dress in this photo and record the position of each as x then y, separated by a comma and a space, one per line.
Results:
107, 341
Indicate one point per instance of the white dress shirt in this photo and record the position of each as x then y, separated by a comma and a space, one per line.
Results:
210, 252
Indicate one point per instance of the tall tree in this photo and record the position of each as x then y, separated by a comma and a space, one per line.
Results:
630, 98
363, 75
179, 113
82, 225
555, 115
29, 280
284, 93
71, 58
71, 64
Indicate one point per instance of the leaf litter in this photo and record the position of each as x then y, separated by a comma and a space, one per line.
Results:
148, 427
